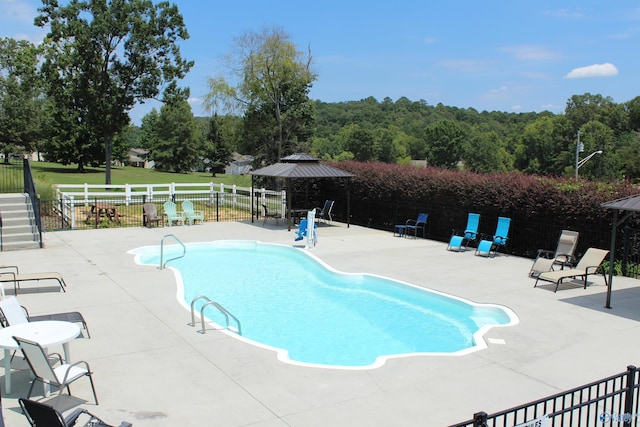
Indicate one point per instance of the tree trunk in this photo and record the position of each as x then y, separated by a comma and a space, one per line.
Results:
108, 139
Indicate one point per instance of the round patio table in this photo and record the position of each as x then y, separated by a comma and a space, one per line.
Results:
47, 333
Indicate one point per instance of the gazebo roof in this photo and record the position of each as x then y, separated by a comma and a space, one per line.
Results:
301, 165
629, 203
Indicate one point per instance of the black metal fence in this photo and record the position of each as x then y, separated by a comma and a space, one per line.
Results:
527, 233
631, 253
611, 401
104, 212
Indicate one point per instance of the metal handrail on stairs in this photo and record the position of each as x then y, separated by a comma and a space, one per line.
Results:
184, 250
220, 308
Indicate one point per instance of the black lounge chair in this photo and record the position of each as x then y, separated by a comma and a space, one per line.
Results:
39, 415
325, 212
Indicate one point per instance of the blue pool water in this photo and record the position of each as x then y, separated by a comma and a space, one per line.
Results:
290, 301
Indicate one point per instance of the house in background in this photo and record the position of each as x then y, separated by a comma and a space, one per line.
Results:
239, 165
138, 158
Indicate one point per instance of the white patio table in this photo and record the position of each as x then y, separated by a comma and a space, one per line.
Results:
47, 333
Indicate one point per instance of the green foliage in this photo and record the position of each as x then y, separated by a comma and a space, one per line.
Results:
445, 140
21, 102
101, 57
177, 138
274, 80
216, 151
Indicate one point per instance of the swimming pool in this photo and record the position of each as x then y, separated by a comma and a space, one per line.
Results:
290, 301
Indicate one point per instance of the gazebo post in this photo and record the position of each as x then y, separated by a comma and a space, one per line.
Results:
612, 251
288, 187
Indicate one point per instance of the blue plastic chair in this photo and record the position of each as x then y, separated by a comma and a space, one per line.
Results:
416, 224
302, 229
458, 240
499, 240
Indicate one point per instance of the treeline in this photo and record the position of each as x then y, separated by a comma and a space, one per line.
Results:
456, 138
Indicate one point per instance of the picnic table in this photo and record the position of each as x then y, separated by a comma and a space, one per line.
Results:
103, 210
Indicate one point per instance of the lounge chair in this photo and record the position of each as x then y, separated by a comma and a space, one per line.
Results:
60, 376
191, 215
491, 244
11, 273
40, 414
150, 215
588, 264
266, 214
458, 240
171, 211
325, 213
563, 255
419, 223
12, 313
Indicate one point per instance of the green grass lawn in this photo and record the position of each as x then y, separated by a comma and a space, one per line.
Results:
48, 174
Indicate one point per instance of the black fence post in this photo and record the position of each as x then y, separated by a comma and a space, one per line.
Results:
629, 396
625, 251
480, 419
217, 207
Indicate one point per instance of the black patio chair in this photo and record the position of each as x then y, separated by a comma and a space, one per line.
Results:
42, 415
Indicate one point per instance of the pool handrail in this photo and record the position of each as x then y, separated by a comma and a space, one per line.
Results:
222, 310
184, 250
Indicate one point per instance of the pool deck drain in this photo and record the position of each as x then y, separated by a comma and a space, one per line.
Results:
152, 369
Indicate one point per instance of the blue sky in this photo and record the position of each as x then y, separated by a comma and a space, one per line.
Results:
513, 56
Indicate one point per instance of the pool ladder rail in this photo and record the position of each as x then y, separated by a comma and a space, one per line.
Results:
184, 250
209, 303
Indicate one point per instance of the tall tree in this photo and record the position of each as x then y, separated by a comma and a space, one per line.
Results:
103, 56
445, 140
177, 142
274, 79
216, 149
21, 100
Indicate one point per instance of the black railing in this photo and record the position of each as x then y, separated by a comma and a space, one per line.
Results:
609, 401
631, 253
30, 189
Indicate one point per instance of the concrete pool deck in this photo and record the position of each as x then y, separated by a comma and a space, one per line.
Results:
152, 369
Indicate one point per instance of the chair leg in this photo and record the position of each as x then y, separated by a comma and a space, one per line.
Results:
93, 388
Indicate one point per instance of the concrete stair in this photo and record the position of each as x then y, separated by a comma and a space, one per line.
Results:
19, 229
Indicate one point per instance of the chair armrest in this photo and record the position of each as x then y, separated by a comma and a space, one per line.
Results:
58, 356
565, 260
14, 267
71, 419
410, 222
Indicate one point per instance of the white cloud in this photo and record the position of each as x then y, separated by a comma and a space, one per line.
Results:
516, 107
499, 90
595, 70
564, 13
464, 64
530, 52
